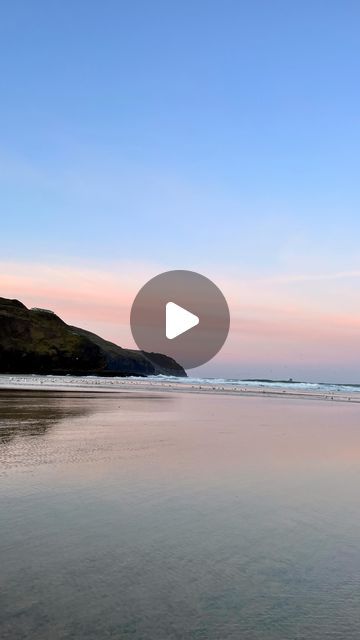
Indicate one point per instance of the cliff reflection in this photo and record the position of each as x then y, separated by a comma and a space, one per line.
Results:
32, 413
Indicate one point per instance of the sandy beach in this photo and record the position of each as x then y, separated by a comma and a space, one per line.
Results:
159, 514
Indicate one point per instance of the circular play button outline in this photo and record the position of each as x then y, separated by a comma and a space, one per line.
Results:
181, 314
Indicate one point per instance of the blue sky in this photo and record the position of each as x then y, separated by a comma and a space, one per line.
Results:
222, 137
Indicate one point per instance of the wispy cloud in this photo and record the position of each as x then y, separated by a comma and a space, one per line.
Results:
270, 319
310, 277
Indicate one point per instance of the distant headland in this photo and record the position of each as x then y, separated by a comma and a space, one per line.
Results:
38, 341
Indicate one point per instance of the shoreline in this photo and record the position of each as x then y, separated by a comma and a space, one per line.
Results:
119, 385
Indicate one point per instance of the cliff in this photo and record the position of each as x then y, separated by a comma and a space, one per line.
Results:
38, 341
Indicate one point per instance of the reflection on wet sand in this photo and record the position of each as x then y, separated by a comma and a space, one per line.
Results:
185, 516
27, 415
31, 414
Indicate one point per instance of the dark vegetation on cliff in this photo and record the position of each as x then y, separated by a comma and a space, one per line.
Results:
38, 341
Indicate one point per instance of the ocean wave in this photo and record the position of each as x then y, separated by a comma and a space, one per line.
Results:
92, 381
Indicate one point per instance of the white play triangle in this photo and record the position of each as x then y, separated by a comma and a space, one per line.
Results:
178, 320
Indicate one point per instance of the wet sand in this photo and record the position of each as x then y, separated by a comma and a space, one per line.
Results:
150, 515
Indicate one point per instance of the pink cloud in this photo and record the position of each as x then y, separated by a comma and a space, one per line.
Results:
270, 320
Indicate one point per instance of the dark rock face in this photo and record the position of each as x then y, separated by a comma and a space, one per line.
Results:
38, 341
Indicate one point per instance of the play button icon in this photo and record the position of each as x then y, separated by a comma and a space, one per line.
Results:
178, 320
181, 314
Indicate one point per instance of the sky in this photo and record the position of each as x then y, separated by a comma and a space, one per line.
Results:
221, 137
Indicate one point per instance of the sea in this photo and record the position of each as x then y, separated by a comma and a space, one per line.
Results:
108, 382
